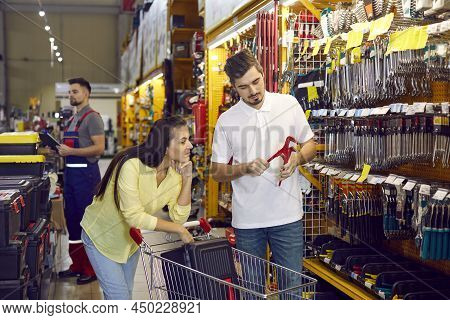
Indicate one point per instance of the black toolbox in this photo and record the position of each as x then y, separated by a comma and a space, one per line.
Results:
19, 143
211, 257
26, 189
10, 208
13, 257
40, 194
15, 289
37, 241
22, 165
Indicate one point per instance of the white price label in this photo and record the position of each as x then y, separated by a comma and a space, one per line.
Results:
440, 194
384, 110
368, 284
348, 176
409, 185
371, 180
365, 112
324, 170
375, 111
445, 107
342, 113
351, 113
355, 177
327, 260
419, 107
354, 276
429, 108
425, 189
381, 180
399, 181
342, 175
319, 166
338, 267
390, 179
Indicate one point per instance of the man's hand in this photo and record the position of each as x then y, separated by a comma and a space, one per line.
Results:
289, 168
257, 167
65, 150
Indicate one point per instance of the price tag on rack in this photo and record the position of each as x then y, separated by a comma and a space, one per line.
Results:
419, 107
318, 166
390, 179
342, 175
399, 181
351, 113
343, 112
445, 107
409, 185
425, 189
365, 112
324, 170
355, 177
371, 180
335, 172
381, 180
348, 176
440, 194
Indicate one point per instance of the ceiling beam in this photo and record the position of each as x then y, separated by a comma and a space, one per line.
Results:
60, 8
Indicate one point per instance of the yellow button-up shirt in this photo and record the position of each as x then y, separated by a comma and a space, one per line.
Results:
139, 198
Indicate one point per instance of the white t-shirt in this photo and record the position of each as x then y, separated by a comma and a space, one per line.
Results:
246, 134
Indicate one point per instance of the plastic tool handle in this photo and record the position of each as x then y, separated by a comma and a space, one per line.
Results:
136, 235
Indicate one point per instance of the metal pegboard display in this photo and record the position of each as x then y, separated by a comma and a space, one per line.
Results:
314, 219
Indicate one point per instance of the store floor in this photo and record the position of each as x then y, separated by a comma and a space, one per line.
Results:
67, 289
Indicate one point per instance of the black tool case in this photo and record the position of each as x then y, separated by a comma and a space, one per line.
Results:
340, 255
37, 237
210, 257
12, 257
26, 189
10, 209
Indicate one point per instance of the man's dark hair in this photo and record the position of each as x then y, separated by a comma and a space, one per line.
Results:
238, 65
82, 82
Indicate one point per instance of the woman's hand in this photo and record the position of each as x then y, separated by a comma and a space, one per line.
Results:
185, 235
184, 169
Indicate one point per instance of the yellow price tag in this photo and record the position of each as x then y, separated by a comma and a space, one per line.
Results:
307, 114
380, 26
312, 93
356, 55
316, 45
305, 46
365, 173
355, 39
413, 38
327, 46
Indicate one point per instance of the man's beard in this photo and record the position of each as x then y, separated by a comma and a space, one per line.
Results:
254, 102
74, 103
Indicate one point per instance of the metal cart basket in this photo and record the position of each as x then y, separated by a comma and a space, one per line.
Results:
230, 274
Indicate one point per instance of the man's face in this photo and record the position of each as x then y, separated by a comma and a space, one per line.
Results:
77, 94
250, 87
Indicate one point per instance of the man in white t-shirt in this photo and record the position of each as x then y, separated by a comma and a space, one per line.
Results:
249, 133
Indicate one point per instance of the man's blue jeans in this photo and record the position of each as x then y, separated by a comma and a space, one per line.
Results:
286, 244
116, 279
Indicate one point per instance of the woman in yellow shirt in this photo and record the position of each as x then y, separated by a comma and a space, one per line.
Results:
139, 182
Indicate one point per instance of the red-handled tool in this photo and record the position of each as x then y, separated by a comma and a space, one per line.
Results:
285, 152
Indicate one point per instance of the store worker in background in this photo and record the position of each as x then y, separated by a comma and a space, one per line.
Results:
84, 143
249, 133
138, 183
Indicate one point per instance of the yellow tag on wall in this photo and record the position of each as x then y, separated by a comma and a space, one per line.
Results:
380, 26
365, 173
356, 55
413, 38
312, 93
316, 48
305, 46
355, 39
307, 114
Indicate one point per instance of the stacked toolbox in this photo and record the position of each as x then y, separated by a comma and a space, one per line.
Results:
22, 259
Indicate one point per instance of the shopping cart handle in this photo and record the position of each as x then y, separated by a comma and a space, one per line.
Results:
201, 222
136, 235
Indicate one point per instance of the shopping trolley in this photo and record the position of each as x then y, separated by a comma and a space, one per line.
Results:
210, 269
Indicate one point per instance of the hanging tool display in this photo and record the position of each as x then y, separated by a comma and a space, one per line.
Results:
435, 244
389, 140
357, 210
267, 46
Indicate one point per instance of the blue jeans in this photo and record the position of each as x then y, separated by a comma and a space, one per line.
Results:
286, 244
116, 279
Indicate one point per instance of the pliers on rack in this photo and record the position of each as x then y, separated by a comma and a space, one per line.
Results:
285, 152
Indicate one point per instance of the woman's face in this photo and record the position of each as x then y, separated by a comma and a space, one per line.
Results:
180, 147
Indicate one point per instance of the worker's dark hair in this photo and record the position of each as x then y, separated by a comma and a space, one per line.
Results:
238, 65
151, 153
82, 82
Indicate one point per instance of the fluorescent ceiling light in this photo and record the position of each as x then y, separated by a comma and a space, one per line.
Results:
42, 13
47, 28
60, 59
57, 54
51, 39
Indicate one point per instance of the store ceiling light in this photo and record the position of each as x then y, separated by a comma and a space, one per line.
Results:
57, 54
47, 28
51, 39
42, 13
55, 48
60, 59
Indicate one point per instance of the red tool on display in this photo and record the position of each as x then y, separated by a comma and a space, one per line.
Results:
285, 152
